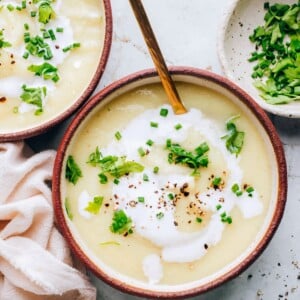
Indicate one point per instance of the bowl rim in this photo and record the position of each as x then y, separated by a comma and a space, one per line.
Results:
263, 119
276, 109
42, 128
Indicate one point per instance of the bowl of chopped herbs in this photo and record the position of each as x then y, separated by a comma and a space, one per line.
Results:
259, 49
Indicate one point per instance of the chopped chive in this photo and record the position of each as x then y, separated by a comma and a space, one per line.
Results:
26, 26
235, 188
141, 199
171, 196
26, 55
198, 220
23, 4
33, 14
150, 143
155, 169
70, 47
229, 220
223, 215
103, 178
164, 112
216, 181
118, 135
159, 215
59, 29
19, 8
239, 193
141, 152
250, 189
178, 126
116, 181
52, 35
145, 177
218, 207
154, 124
10, 7
168, 143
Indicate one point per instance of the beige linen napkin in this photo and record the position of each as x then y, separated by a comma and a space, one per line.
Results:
35, 262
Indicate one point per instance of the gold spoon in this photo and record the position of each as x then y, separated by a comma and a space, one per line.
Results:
157, 57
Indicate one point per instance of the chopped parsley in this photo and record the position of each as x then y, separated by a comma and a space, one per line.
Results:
34, 96
45, 70
68, 209
73, 172
95, 205
121, 223
113, 165
277, 54
102, 178
234, 138
194, 160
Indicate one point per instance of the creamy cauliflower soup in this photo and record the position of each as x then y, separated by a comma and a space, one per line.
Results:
167, 199
49, 53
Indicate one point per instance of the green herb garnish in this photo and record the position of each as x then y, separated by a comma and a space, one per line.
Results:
46, 12
45, 70
216, 181
113, 165
237, 190
198, 220
103, 178
121, 223
37, 46
154, 124
34, 96
68, 209
71, 47
150, 143
110, 243
95, 205
179, 155
141, 199
159, 215
277, 54
73, 172
118, 135
145, 177
234, 138
141, 152
3, 43
155, 170
178, 126
164, 112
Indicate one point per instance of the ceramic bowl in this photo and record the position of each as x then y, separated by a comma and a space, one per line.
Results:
234, 49
67, 94
274, 211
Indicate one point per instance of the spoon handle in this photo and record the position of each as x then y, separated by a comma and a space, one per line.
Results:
157, 57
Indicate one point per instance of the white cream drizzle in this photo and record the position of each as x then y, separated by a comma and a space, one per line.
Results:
176, 246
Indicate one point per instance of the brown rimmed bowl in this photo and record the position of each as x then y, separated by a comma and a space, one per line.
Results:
82, 97
273, 215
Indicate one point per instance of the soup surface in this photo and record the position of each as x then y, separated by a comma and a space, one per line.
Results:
163, 198
49, 52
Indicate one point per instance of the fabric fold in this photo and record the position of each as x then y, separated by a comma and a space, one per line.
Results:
35, 262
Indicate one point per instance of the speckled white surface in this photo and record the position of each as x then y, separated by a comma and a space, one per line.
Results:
187, 31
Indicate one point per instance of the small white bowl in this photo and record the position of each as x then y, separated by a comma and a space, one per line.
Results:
234, 49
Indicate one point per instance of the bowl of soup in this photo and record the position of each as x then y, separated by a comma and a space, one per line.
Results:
52, 56
164, 205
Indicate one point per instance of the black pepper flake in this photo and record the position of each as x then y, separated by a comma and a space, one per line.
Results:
205, 246
56, 46
186, 194
249, 276
2, 99
13, 62
116, 196
175, 223
189, 221
106, 204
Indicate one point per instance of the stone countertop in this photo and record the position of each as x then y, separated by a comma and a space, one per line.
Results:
187, 31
